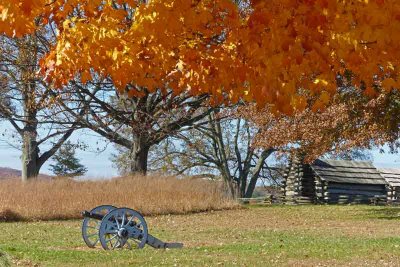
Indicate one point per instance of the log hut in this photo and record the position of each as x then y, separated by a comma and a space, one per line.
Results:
392, 177
333, 182
299, 183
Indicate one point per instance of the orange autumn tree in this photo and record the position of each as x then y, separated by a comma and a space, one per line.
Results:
256, 50
350, 121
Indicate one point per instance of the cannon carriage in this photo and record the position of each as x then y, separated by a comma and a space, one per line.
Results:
116, 228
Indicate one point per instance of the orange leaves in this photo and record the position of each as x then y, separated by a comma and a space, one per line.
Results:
266, 53
3, 13
322, 102
85, 76
389, 83
259, 18
319, 38
30, 5
315, 19
16, 17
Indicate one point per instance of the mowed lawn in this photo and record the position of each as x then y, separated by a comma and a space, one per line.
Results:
256, 236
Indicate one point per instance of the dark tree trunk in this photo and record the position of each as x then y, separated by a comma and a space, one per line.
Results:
30, 155
31, 159
250, 188
257, 169
139, 162
243, 184
139, 156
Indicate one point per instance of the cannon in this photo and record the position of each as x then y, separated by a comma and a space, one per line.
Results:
116, 228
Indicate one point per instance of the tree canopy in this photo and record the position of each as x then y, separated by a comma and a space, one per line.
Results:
265, 51
351, 121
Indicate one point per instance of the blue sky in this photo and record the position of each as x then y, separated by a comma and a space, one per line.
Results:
100, 166
386, 160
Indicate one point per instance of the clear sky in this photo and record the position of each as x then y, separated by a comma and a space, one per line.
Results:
100, 166
386, 160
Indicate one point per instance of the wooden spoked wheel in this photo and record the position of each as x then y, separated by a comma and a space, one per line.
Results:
90, 227
121, 228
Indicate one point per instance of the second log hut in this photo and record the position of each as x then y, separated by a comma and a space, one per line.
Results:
392, 177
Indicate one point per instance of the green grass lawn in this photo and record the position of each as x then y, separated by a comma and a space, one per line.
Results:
256, 236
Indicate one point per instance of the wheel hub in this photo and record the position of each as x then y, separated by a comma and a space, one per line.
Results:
123, 233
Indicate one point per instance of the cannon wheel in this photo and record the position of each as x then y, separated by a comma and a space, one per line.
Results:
90, 227
122, 227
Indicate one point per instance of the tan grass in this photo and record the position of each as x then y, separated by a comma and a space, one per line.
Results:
65, 199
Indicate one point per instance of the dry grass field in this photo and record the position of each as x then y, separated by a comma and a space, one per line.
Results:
65, 199
259, 236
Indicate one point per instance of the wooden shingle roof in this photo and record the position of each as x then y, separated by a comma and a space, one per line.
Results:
346, 171
392, 176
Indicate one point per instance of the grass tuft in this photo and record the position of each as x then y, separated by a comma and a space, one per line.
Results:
65, 199
4, 261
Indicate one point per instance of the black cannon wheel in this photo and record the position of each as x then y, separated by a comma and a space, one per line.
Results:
90, 226
123, 227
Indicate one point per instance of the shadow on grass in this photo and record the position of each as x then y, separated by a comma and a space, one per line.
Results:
384, 213
10, 216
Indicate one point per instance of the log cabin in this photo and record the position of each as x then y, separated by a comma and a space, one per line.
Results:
333, 182
392, 177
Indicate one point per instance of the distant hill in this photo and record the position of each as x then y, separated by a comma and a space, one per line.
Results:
7, 173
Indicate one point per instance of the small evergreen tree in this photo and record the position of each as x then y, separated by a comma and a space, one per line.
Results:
66, 164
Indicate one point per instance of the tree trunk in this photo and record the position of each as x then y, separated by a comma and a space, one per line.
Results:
30, 150
30, 154
251, 187
231, 187
257, 169
139, 156
243, 184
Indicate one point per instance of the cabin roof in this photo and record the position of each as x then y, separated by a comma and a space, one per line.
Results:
392, 176
346, 171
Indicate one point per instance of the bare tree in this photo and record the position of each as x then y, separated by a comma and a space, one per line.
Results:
28, 103
137, 123
217, 147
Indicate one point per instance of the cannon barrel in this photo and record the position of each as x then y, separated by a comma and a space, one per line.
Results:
92, 215
100, 217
